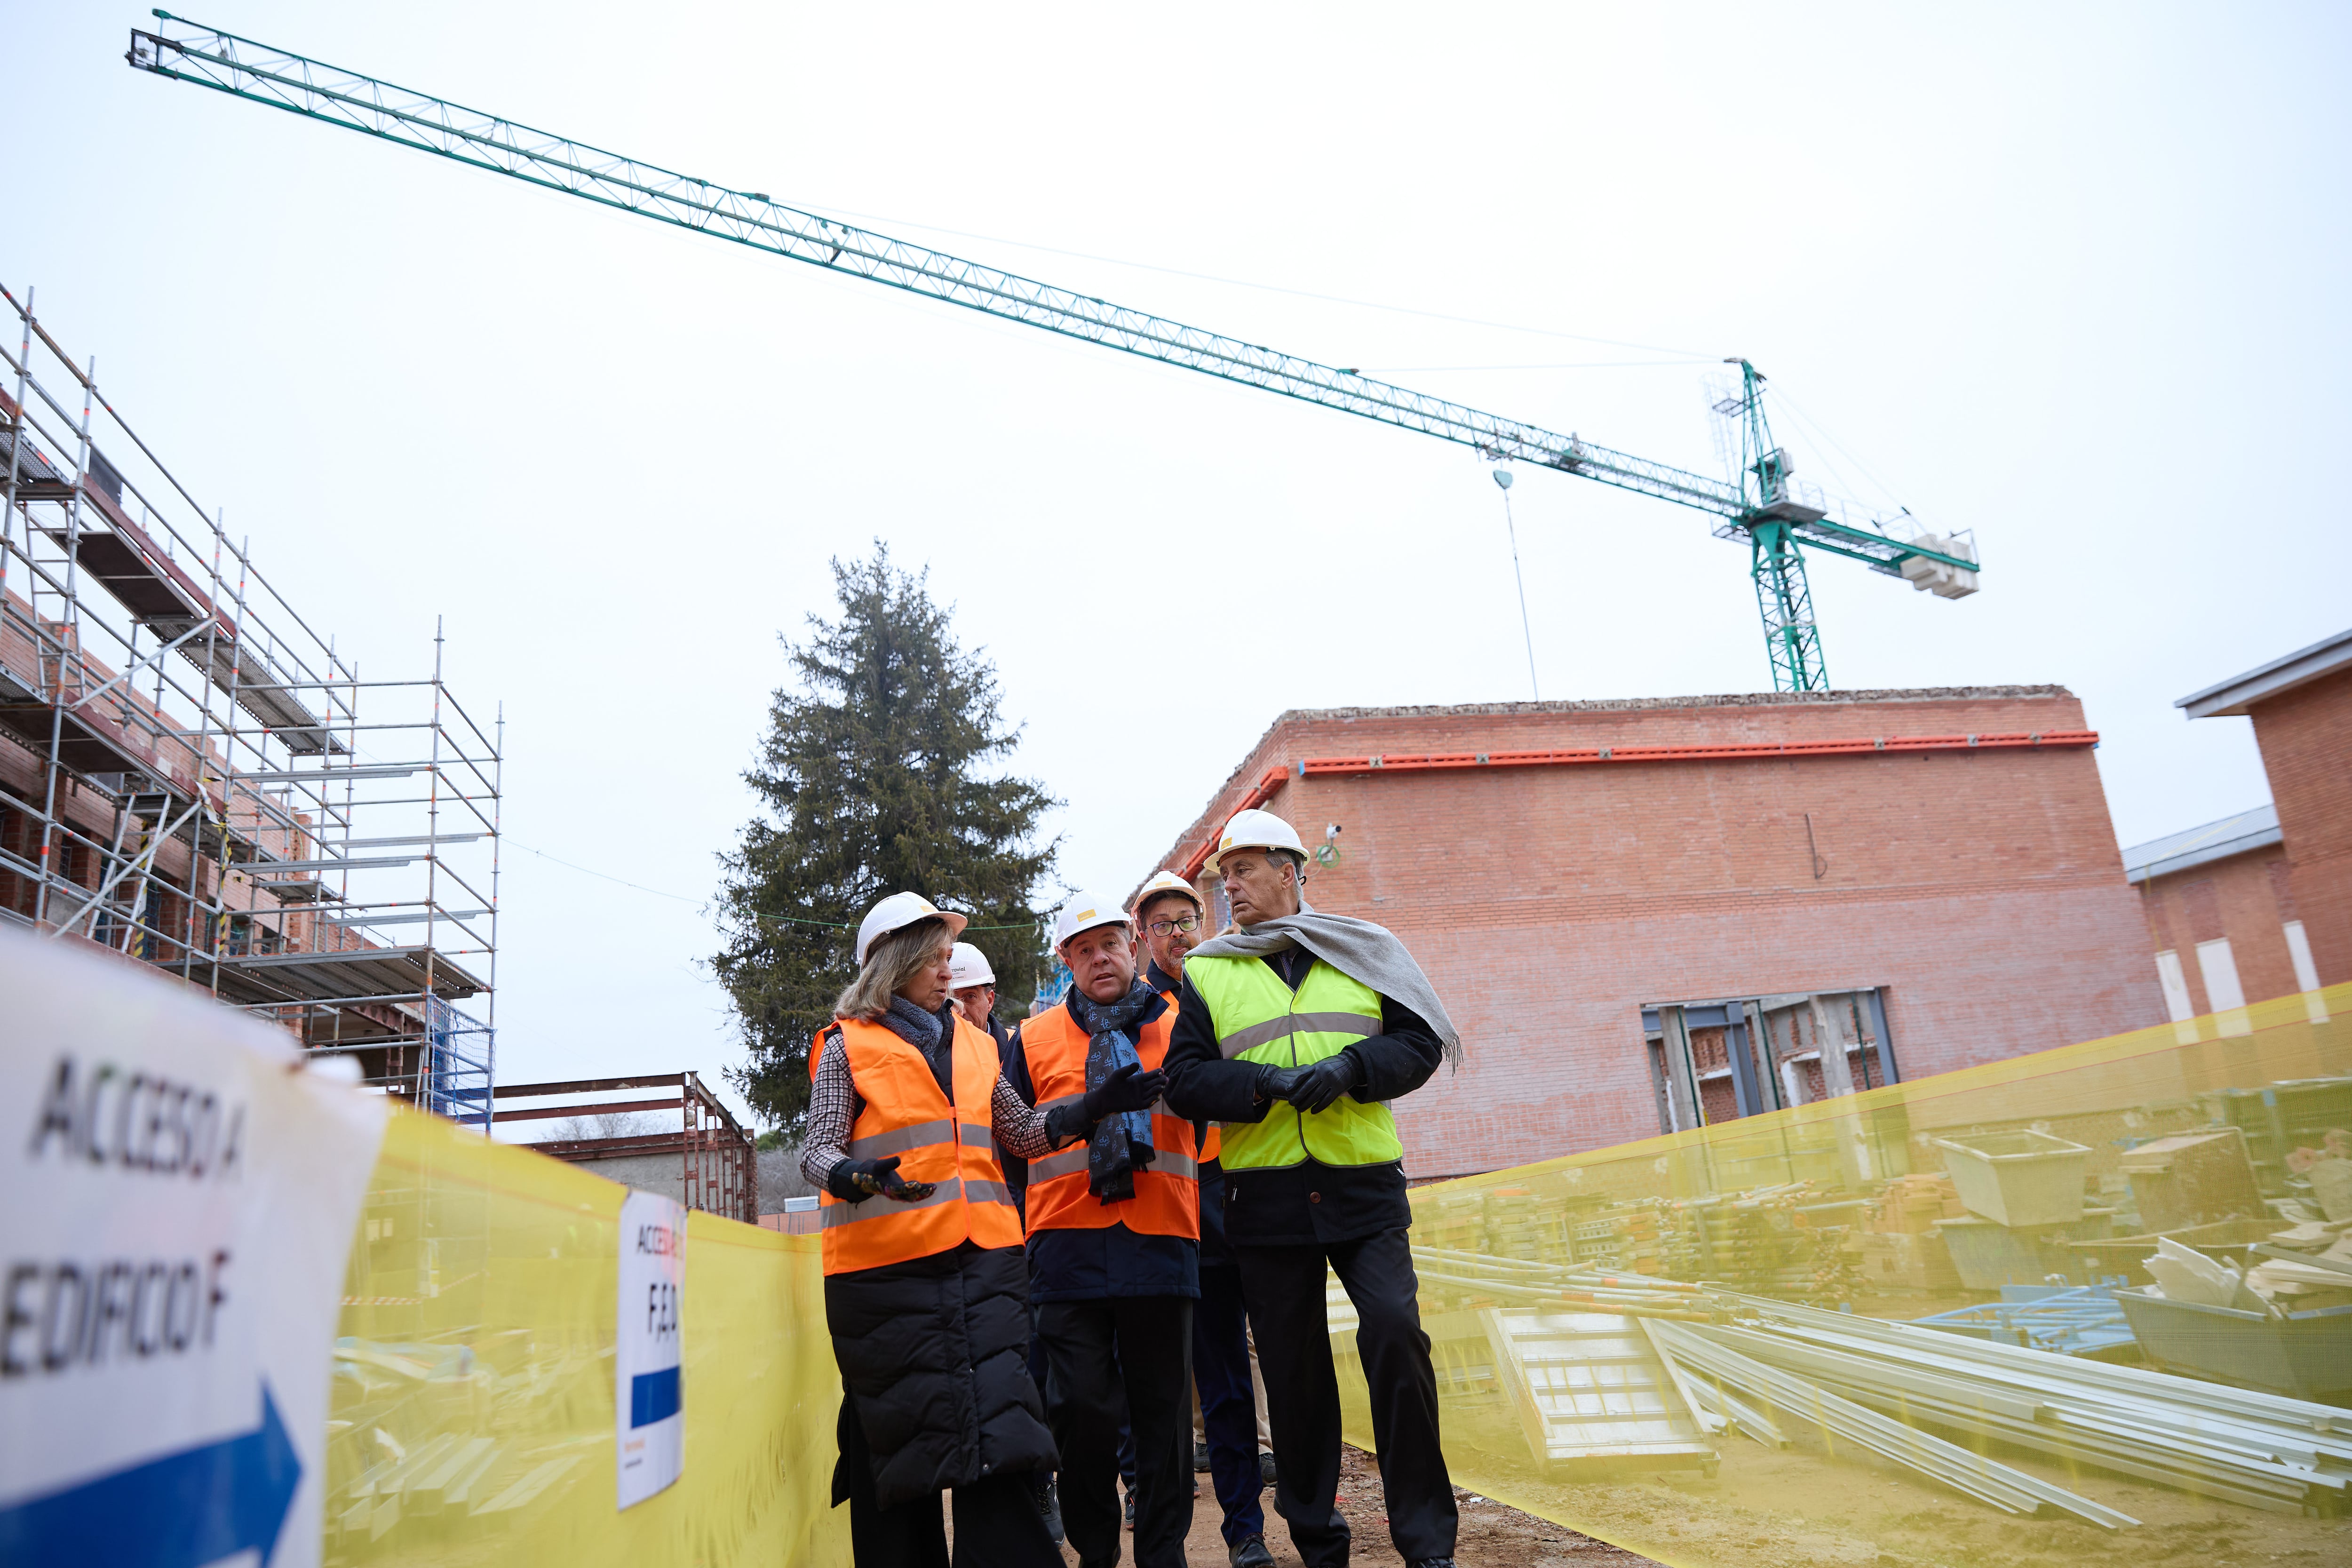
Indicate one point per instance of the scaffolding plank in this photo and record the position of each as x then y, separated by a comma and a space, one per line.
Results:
126, 572
264, 977
169, 602
355, 917
85, 743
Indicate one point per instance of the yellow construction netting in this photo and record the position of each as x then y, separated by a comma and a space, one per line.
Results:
1698, 1346
472, 1414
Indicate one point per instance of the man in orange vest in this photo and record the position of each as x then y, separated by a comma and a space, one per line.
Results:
1168, 912
1114, 1228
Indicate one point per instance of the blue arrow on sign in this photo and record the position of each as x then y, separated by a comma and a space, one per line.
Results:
183, 1511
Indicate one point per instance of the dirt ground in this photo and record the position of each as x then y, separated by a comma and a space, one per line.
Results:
1791, 1509
1493, 1536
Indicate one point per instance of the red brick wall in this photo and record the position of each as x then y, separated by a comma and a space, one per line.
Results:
2306, 735
2236, 898
1984, 889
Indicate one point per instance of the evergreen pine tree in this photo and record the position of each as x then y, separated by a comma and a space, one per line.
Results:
875, 779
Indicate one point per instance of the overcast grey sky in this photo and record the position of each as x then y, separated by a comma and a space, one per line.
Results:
2070, 276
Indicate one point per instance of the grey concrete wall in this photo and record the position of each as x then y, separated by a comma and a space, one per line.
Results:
647, 1172
778, 1170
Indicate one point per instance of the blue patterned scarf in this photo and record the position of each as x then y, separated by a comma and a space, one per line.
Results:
1121, 1143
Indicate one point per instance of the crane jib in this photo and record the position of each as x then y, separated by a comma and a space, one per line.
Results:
280, 79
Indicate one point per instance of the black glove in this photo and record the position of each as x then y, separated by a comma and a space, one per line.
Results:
1320, 1086
1278, 1083
1129, 1088
854, 1181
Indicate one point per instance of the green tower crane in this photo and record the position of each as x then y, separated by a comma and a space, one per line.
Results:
1758, 506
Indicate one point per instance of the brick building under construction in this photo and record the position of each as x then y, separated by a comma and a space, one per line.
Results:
1644, 915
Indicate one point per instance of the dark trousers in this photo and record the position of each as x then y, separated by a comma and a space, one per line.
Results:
1041, 1376
1141, 1344
1284, 1286
996, 1520
1228, 1410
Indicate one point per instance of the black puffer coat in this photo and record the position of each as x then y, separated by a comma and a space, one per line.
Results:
935, 1354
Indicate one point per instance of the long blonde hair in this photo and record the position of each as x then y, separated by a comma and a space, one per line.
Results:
895, 959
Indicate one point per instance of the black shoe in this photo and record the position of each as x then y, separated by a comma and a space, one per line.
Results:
1130, 1510
1049, 1509
1199, 1458
1430, 1563
1265, 1468
1250, 1553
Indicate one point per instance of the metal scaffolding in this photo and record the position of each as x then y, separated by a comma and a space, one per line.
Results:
192, 777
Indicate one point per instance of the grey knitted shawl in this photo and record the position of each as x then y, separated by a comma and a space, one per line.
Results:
1358, 949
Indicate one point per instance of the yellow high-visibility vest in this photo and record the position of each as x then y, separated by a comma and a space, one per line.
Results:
1257, 1018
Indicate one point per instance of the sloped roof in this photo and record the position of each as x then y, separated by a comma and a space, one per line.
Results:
2255, 828
2240, 693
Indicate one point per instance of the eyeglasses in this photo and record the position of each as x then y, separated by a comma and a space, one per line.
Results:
1182, 922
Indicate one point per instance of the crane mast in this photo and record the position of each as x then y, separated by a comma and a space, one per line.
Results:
1757, 507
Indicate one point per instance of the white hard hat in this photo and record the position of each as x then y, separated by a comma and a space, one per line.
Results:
901, 909
1256, 830
967, 966
1163, 882
1084, 913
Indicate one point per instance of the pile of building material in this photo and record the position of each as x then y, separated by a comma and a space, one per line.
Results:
1473, 1281
1743, 1363
2284, 1324
2068, 1319
2260, 1449
2305, 1267
2327, 1172
1607, 1366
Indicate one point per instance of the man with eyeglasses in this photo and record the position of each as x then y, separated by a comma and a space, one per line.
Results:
1168, 912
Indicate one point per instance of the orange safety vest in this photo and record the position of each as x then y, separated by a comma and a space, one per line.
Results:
949, 1145
1167, 1199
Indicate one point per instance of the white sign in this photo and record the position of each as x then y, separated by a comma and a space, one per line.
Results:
181, 1198
650, 1418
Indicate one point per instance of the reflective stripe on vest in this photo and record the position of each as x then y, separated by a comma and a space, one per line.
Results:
1167, 1200
904, 1113
1258, 1018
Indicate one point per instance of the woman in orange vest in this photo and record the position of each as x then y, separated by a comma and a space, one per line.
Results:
926, 1285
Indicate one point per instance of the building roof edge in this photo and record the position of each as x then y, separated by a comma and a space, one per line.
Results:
1639, 704
2233, 697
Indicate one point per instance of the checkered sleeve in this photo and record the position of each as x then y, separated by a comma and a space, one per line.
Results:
834, 1105
1019, 1128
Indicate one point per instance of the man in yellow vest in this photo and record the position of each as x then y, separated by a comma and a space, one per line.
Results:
1114, 1244
1295, 1030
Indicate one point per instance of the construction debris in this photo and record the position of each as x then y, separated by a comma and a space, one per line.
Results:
2077, 1319
2260, 1449
1720, 1355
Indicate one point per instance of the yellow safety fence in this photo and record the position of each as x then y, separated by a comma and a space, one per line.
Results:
1700, 1347
1704, 1347
472, 1416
